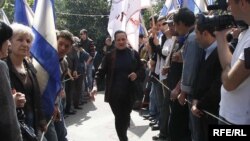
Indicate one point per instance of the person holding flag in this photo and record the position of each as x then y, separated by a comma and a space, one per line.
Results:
24, 80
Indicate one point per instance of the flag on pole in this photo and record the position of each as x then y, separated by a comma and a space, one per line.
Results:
23, 13
117, 17
44, 50
133, 29
164, 10
142, 28
196, 6
200, 6
124, 15
210, 2
4, 18
133, 20
169, 5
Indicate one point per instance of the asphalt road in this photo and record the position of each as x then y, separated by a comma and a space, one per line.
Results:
95, 122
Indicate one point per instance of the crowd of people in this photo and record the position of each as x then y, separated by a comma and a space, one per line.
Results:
183, 70
194, 74
197, 71
24, 117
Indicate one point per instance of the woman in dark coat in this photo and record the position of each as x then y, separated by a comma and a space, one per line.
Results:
122, 68
23, 78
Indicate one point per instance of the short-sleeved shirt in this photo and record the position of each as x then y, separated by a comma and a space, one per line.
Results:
235, 105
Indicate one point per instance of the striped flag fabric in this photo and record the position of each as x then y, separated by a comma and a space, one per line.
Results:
117, 17
169, 5
23, 13
3, 17
44, 51
197, 6
164, 10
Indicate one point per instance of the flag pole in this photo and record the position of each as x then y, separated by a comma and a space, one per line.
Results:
153, 20
143, 25
152, 15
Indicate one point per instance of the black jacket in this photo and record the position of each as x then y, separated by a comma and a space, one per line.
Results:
18, 85
106, 70
208, 84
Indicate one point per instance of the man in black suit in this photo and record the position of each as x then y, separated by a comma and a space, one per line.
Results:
207, 88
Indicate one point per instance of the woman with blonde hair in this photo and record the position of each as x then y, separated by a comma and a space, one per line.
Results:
23, 79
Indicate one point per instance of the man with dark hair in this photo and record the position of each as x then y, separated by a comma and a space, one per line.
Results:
206, 94
64, 44
184, 21
88, 45
234, 104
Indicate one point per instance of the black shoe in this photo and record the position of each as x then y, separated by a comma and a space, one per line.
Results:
151, 118
155, 127
159, 137
156, 137
70, 112
147, 116
83, 102
77, 107
152, 123
65, 116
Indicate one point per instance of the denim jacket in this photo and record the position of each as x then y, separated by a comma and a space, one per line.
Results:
191, 57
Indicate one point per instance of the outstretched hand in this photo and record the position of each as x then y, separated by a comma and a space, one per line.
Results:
132, 76
93, 93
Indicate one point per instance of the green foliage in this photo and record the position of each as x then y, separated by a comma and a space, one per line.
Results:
89, 14
75, 15
147, 13
9, 8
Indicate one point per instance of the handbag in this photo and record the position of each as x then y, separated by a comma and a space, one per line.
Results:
27, 132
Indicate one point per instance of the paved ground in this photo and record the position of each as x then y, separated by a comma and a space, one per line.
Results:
96, 123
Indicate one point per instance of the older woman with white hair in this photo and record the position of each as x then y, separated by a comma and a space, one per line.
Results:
23, 79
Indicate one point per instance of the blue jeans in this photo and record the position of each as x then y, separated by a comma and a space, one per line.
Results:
194, 124
90, 76
60, 126
152, 101
61, 130
51, 132
159, 100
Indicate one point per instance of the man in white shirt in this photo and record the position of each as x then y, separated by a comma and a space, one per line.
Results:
235, 98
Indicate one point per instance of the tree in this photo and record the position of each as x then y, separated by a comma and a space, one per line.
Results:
9, 8
75, 15
89, 14
147, 13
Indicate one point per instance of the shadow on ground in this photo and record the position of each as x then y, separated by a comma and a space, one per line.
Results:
81, 115
139, 131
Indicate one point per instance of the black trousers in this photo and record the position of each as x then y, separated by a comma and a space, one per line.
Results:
69, 86
121, 109
179, 122
77, 90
